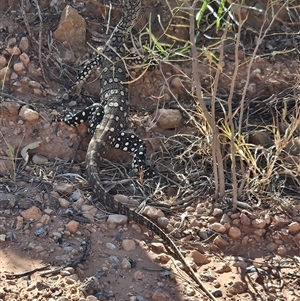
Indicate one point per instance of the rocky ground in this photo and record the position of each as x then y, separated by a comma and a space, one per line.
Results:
56, 238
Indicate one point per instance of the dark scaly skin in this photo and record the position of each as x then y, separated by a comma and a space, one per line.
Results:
110, 130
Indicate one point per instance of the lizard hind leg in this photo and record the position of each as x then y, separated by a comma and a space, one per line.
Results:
129, 142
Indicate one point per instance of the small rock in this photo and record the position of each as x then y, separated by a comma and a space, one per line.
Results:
220, 242
281, 250
116, 220
39, 159
237, 287
176, 83
3, 61
161, 295
128, 244
259, 223
294, 228
65, 273
217, 293
125, 264
152, 212
71, 28
260, 138
235, 215
69, 280
63, 203
245, 220
24, 44
64, 188
76, 195
62, 259
168, 119
14, 76
158, 247
110, 246
24, 58
28, 114
5, 74
48, 211
260, 232
217, 227
32, 213
39, 249
2, 237
91, 298
13, 51
272, 247
225, 268
19, 68
225, 219
45, 219
199, 258
72, 226
162, 222
217, 212
20, 221
234, 233
279, 222
11, 42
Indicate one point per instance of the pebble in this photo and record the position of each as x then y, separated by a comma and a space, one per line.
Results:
158, 247
152, 212
279, 222
116, 220
281, 250
63, 203
69, 280
110, 246
237, 287
64, 188
19, 68
220, 242
168, 119
225, 219
28, 114
125, 264
217, 212
245, 220
91, 298
11, 42
260, 232
76, 195
32, 213
161, 295
5, 73
199, 258
260, 138
45, 219
217, 227
3, 61
72, 226
162, 222
234, 233
272, 247
128, 245
24, 58
294, 228
259, 223
14, 51
65, 273
24, 44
